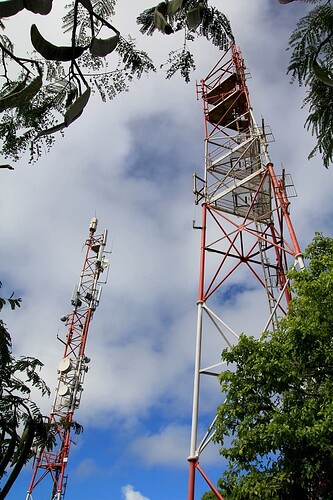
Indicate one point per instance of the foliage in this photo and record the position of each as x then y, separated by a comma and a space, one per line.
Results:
209, 495
311, 65
17, 410
209, 22
12, 301
45, 92
196, 19
275, 425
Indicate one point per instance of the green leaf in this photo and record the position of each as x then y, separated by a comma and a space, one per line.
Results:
174, 6
102, 47
42, 7
322, 74
53, 52
313, 35
195, 16
9, 8
88, 5
14, 302
76, 109
73, 113
160, 21
21, 94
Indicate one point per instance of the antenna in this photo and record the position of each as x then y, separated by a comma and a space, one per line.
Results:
72, 367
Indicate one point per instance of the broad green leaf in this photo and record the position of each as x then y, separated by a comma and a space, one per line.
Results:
42, 7
160, 21
72, 113
194, 16
174, 6
21, 94
102, 47
88, 5
53, 52
322, 74
9, 8
76, 109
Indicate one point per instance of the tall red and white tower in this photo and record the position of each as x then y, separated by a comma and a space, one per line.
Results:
72, 367
247, 236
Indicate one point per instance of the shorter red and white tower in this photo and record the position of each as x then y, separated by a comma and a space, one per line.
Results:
248, 242
72, 367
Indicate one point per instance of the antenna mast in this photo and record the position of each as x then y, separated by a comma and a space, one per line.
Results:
72, 367
246, 231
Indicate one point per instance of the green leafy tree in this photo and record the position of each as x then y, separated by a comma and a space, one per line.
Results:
209, 495
195, 19
275, 425
21, 423
47, 91
311, 65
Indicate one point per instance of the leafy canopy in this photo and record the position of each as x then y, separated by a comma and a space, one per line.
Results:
275, 425
311, 65
45, 92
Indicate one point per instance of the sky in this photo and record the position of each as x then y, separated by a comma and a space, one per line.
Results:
129, 162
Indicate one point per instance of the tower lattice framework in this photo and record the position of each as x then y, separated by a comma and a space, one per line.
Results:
247, 238
72, 367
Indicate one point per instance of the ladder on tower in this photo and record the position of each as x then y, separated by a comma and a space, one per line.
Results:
270, 282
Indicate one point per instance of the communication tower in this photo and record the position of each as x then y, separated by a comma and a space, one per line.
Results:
72, 367
246, 234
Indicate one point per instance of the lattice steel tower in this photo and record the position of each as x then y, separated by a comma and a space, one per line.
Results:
72, 367
246, 231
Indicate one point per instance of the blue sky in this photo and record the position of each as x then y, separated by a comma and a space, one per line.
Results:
130, 163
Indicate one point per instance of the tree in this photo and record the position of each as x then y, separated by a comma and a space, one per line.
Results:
275, 425
45, 92
311, 65
21, 423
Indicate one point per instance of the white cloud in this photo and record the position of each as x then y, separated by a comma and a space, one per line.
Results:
87, 469
129, 493
169, 447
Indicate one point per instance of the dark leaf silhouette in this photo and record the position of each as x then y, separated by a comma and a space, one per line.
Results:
53, 52
38, 6
102, 47
9, 8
